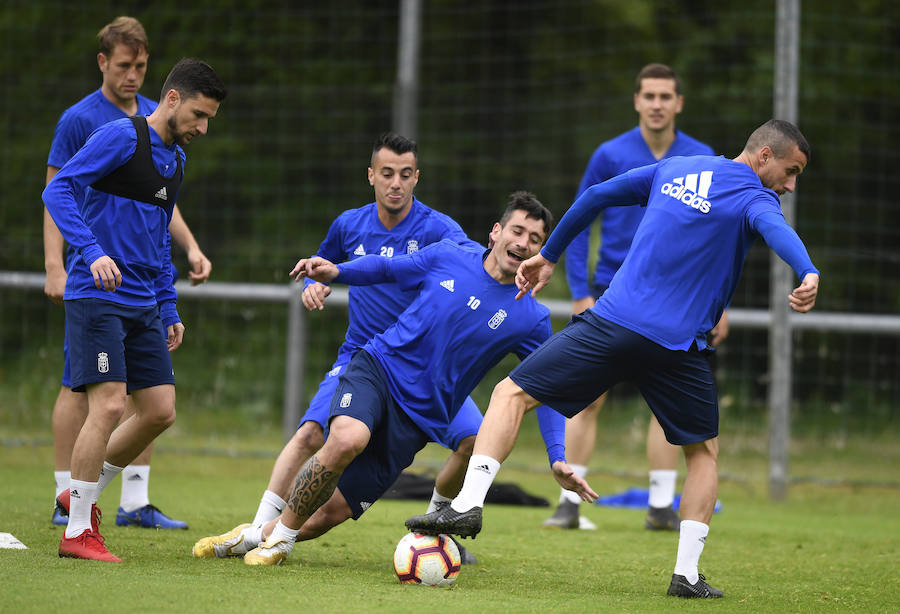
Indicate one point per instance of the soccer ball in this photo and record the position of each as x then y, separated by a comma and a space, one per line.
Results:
430, 560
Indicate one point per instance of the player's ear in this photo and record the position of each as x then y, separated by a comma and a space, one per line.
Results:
371, 175
102, 61
765, 154
495, 233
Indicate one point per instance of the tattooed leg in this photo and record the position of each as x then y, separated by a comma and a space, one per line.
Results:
314, 485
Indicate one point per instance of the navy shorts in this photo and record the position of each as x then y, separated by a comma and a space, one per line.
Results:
362, 393
466, 422
584, 360
109, 342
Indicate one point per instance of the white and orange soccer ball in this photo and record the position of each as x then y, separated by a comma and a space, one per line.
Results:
430, 560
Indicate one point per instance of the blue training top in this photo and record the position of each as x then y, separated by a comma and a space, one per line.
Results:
358, 232
618, 224
133, 233
460, 325
77, 123
703, 214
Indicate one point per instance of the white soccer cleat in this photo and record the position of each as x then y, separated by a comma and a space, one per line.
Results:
272, 552
233, 543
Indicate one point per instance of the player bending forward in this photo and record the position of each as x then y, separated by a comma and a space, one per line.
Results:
703, 214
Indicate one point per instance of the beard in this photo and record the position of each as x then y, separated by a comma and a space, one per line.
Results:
181, 138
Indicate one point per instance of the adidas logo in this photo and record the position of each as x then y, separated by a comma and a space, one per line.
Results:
74, 493
692, 190
161, 194
365, 505
135, 478
483, 468
359, 251
448, 284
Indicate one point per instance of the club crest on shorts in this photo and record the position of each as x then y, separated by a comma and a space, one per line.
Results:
497, 319
103, 362
412, 246
345, 400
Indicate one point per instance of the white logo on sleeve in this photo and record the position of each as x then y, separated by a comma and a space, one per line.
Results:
161, 194
447, 284
103, 362
497, 319
345, 400
412, 246
692, 190
360, 250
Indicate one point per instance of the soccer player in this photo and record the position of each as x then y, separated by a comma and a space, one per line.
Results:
396, 223
650, 326
657, 101
122, 60
403, 388
112, 202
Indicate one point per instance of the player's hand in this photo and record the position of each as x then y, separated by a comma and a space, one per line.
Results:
106, 274
314, 296
316, 268
720, 331
803, 297
582, 304
563, 474
201, 267
175, 335
55, 285
533, 274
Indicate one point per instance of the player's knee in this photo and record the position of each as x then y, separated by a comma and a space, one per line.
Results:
466, 446
308, 438
342, 447
508, 394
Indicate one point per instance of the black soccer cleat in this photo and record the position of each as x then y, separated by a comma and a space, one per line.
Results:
662, 519
680, 587
449, 521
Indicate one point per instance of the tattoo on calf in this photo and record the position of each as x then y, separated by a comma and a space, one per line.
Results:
313, 487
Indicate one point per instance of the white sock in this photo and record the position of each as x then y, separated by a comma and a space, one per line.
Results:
81, 496
107, 473
280, 530
62, 480
135, 485
270, 507
662, 487
436, 500
690, 547
569, 495
479, 477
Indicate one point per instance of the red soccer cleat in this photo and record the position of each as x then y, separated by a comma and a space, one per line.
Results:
62, 504
89, 545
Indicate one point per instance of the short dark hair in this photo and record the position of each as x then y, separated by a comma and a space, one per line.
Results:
190, 77
397, 143
657, 71
123, 30
533, 208
780, 136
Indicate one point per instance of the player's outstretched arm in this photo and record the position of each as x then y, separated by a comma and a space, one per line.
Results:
568, 480
803, 297
315, 268
533, 275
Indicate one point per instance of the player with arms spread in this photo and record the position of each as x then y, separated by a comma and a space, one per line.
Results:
404, 387
657, 100
703, 215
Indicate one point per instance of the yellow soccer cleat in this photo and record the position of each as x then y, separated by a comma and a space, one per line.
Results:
233, 543
272, 552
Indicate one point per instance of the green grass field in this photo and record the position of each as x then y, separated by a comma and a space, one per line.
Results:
834, 546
